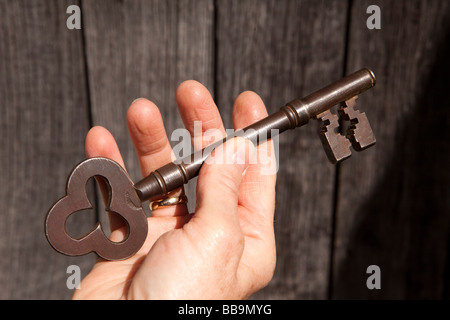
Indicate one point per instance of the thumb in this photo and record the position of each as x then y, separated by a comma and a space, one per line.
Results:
220, 178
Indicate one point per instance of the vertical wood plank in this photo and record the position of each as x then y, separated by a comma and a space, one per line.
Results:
392, 206
397, 217
44, 120
145, 49
283, 50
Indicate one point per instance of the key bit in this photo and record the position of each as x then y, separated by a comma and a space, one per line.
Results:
337, 146
359, 132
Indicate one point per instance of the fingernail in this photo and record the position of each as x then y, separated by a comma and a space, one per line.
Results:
136, 100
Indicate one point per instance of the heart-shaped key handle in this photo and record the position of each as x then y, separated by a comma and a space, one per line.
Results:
123, 201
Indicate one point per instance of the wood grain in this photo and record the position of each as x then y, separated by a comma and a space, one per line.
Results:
387, 206
393, 200
283, 50
145, 49
44, 119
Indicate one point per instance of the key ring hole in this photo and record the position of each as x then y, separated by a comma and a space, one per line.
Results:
81, 222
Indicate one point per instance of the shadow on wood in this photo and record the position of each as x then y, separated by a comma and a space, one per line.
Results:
403, 227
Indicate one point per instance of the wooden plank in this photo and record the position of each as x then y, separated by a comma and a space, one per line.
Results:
44, 120
145, 49
283, 50
393, 200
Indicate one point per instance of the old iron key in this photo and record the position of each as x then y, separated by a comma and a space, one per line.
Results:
126, 198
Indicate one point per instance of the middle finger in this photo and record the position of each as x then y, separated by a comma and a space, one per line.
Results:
149, 137
200, 114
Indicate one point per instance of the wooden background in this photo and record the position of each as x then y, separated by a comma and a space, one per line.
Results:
388, 206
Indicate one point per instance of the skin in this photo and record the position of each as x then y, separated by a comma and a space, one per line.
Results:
226, 248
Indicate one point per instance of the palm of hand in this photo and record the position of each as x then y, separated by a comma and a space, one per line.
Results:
226, 249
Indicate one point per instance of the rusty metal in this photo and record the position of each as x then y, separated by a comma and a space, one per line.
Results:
336, 145
126, 198
359, 132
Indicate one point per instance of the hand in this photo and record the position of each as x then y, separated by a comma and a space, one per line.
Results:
226, 249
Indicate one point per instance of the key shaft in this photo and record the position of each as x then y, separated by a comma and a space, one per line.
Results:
294, 114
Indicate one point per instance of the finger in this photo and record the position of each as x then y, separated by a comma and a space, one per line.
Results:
149, 136
199, 113
152, 146
248, 108
224, 170
216, 217
257, 198
258, 186
100, 143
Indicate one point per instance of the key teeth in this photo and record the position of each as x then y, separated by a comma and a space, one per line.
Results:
359, 133
337, 147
